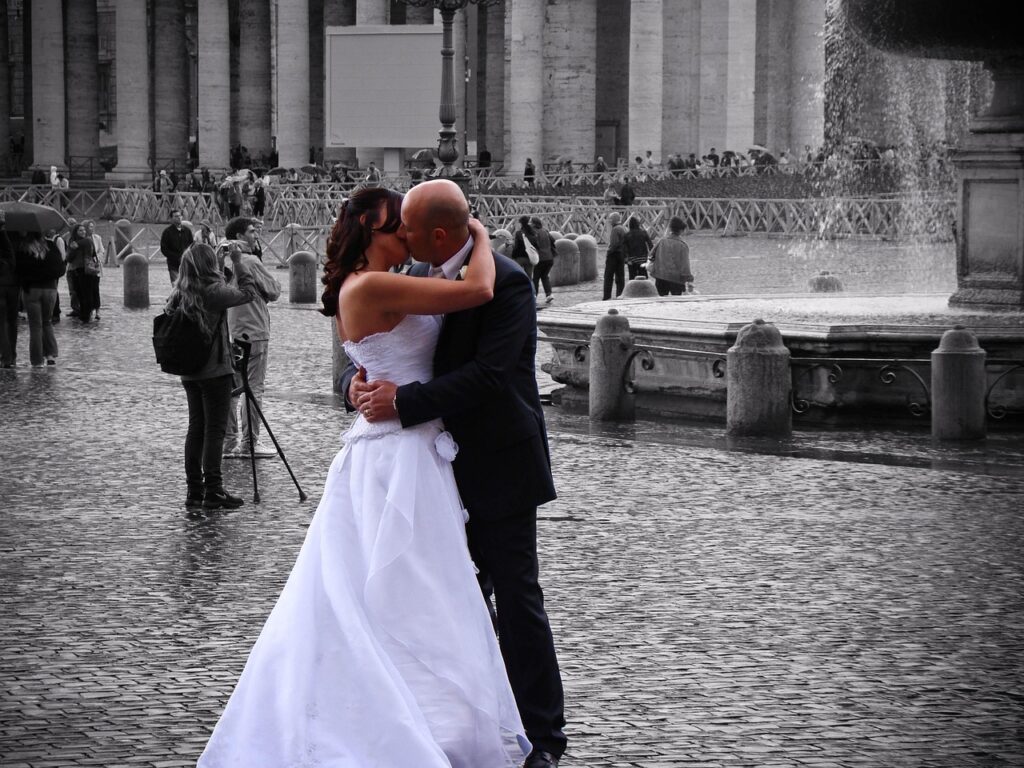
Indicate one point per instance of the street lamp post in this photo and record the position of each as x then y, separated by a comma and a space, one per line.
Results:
447, 145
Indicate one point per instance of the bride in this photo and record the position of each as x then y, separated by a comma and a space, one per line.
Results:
380, 652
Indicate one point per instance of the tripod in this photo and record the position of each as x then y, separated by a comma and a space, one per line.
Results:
240, 358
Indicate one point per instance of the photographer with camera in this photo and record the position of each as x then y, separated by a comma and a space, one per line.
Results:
250, 322
201, 294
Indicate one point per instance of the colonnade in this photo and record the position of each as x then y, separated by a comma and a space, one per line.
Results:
546, 78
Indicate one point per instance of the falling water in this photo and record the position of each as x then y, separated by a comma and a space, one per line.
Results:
908, 115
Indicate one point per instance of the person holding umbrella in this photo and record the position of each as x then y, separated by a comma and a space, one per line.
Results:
40, 265
10, 294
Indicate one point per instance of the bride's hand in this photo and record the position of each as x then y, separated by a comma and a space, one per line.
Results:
477, 230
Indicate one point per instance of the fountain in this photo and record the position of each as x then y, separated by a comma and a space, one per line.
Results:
859, 359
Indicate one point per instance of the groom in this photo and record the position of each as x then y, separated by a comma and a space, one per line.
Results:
485, 389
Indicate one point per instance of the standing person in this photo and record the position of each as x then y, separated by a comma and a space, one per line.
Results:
637, 245
85, 270
519, 255
626, 193
615, 257
546, 251
62, 246
259, 198
529, 172
670, 261
10, 295
372, 174
206, 234
250, 322
379, 649
39, 265
485, 389
97, 241
173, 241
64, 242
200, 292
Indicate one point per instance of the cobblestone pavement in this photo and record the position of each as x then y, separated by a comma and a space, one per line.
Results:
842, 599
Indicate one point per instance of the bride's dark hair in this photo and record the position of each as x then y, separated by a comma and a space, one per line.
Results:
350, 237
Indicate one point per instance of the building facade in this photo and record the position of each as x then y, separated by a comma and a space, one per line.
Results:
158, 83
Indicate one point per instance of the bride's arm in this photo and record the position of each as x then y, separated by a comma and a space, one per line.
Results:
407, 295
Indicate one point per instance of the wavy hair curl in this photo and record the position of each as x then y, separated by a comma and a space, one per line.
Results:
199, 269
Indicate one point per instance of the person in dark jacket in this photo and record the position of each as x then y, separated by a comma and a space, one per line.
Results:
173, 242
637, 245
83, 264
10, 295
40, 265
519, 255
546, 252
201, 293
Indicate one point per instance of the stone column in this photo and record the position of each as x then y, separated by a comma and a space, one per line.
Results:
569, 90
80, 69
48, 93
293, 83
317, 76
170, 82
372, 12
526, 92
728, 44
214, 84
506, 90
681, 82
807, 75
494, 81
5, 91
645, 78
612, 97
254, 104
130, 25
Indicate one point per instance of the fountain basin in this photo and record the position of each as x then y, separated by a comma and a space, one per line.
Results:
856, 360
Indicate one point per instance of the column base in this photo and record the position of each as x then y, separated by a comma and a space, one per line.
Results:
990, 243
129, 175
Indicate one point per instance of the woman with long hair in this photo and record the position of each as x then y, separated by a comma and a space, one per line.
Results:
380, 650
83, 264
202, 295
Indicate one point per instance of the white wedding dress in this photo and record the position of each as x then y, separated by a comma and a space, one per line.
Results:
380, 652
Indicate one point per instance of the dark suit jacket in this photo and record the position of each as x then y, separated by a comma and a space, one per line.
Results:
485, 389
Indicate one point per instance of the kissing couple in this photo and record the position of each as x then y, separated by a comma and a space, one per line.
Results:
381, 649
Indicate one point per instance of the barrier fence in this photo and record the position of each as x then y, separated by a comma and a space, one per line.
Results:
313, 207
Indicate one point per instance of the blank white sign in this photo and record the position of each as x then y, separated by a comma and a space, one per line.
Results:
383, 86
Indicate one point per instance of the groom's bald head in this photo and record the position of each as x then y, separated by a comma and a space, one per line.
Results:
435, 216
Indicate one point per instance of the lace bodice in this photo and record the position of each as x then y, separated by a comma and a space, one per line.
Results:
402, 355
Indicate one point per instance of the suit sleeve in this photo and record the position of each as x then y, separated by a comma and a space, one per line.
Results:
507, 324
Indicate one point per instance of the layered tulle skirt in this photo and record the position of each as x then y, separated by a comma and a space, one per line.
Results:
380, 652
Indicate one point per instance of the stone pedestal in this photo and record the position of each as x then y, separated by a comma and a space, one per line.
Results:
990, 236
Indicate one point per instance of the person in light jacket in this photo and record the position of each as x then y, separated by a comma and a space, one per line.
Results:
670, 261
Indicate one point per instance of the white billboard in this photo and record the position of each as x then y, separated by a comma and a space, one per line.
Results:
383, 86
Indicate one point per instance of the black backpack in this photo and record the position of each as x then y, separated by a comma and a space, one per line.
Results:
182, 347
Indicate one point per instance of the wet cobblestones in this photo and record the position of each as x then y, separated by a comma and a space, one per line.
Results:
713, 604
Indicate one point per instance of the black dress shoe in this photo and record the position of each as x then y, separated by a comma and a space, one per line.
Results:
222, 500
540, 759
194, 500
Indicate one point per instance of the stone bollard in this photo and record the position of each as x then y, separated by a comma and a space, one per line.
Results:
294, 240
570, 235
959, 382
302, 269
588, 257
610, 348
825, 282
758, 383
639, 287
566, 269
122, 239
135, 280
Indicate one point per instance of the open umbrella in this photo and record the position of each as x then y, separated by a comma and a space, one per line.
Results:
423, 154
757, 148
314, 170
279, 171
30, 217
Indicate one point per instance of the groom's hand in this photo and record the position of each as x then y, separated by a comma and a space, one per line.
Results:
376, 401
